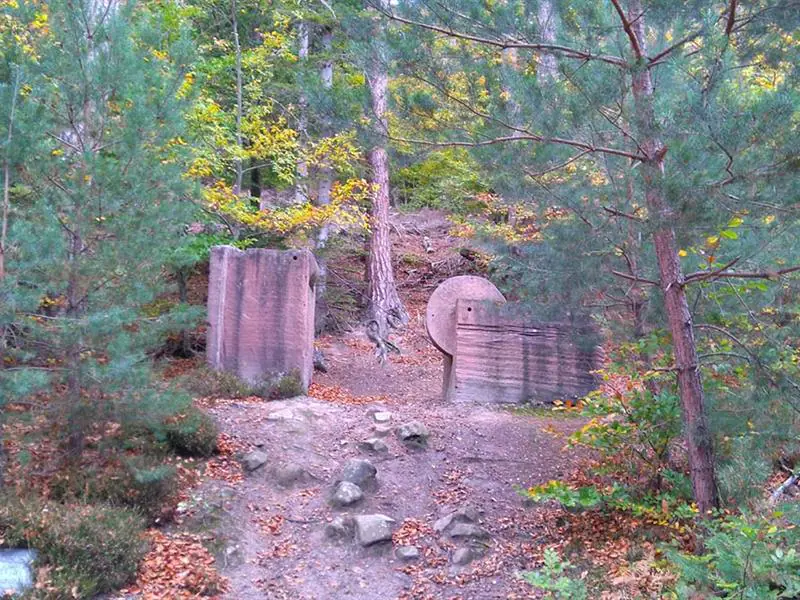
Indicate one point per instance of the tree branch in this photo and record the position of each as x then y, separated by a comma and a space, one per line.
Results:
619, 213
504, 44
633, 278
659, 58
558, 166
626, 25
702, 276
529, 137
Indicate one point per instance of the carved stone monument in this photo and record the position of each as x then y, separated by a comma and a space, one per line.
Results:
492, 353
261, 313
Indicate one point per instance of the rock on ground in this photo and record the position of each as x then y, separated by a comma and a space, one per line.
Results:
373, 445
346, 493
253, 460
463, 556
462, 515
413, 433
359, 471
371, 529
407, 553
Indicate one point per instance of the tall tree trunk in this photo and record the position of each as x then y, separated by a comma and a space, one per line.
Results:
698, 436
239, 108
255, 179
7, 180
324, 194
301, 186
548, 67
385, 306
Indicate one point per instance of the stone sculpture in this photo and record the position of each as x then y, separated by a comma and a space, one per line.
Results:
494, 353
261, 313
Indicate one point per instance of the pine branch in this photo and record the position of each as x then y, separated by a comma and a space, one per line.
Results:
558, 166
626, 25
634, 278
619, 213
503, 44
703, 275
661, 56
529, 137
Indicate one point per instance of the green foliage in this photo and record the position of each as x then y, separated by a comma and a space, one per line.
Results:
751, 557
91, 548
446, 179
209, 383
552, 579
89, 244
191, 433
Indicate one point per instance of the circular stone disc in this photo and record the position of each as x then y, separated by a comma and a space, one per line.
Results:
440, 316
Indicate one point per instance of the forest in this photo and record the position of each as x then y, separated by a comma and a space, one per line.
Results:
626, 170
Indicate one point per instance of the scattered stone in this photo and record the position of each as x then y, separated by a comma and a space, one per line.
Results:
463, 556
359, 471
284, 414
464, 530
382, 416
340, 528
346, 493
373, 445
15, 570
371, 529
462, 515
382, 430
407, 553
413, 433
253, 460
288, 474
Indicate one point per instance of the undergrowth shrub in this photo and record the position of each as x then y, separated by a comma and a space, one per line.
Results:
634, 428
90, 549
142, 484
191, 433
553, 579
208, 383
750, 557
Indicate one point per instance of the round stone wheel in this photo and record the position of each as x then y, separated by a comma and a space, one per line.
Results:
440, 315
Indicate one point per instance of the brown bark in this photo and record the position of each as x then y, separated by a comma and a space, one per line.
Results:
385, 306
679, 318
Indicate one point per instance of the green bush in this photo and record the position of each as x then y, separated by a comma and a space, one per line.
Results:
208, 383
143, 485
91, 548
750, 557
445, 179
191, 433
552, 578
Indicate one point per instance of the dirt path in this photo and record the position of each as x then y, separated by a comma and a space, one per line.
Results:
273, 532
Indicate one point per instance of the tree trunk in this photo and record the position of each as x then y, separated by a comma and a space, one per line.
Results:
300, 188
7, 178
326, 177
324, 196
255, 179
385, 306
548, 67
239, 104
698, 436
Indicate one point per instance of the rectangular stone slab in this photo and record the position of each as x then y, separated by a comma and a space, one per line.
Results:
15, 570
261, 313
504, 358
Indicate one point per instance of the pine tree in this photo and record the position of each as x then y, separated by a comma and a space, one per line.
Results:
102, 203
656, 122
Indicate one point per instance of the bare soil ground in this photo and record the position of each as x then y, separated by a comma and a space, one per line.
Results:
270, 527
